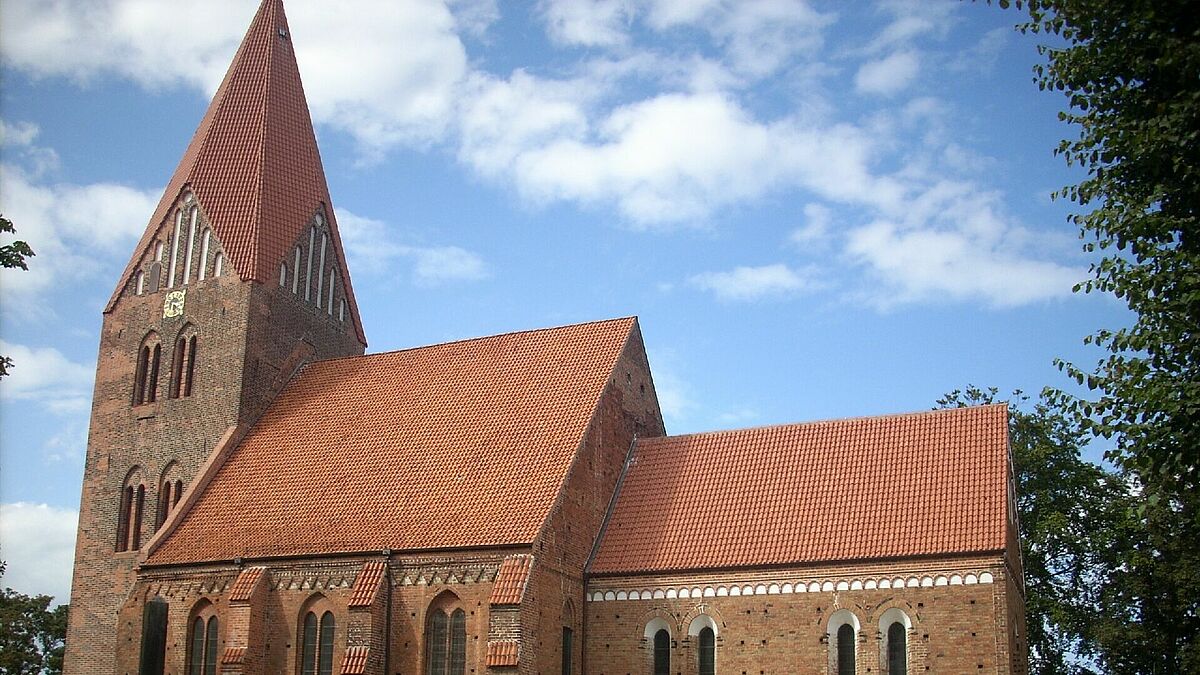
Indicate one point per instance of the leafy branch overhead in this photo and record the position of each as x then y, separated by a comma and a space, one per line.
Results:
12, 255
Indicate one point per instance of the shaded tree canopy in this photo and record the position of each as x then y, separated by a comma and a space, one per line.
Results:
32, 636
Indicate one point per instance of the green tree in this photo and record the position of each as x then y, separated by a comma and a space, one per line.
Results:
32, 636
1075, 531
1130, 70
12, 255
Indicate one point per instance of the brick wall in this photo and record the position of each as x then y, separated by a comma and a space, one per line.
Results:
628, 406
250, 339
956, 626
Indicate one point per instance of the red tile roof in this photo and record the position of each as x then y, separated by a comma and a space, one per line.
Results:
904, 485
243, 588
510, 580
233, 656
462, 444
253, 162
503, 653
366, 586
355, 661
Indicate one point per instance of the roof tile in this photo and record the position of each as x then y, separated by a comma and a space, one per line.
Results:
243, 587
510, 583
355, 661
366, 586
455, 445
895, 486
503, 653
253, 162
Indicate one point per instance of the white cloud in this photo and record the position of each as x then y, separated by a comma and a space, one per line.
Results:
18, 139
816, 231
38, 541
889, 75
383, 71
74, 230
587, 22
45, 375
373, 248
752, 283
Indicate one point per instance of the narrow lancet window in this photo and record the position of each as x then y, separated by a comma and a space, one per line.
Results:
191, 245
296, 273
175, 248
312, 241
204, 244
321, 270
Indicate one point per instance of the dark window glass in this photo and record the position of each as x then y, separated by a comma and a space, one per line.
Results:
139, 376
308, 651
897, 649
154, 277
177, 367
154, 638
458, 642
196, 667
191, 367
138, 508
325, 650
164, 504
210, 647
123, 519
178, 492
845, 649
152, 384
708, 651
437, 643
568, 637
662, 652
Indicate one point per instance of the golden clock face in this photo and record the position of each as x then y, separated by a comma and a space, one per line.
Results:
173, 304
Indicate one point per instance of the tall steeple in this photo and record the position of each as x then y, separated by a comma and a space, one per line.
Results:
238, 281
253, 162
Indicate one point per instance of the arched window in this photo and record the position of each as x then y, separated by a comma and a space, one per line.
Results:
316, 649
145, 377
312, 241
203, 636
842, 637
193, 225
845, 649
169, 491
175, 248
332, 281
342, 310
296, 272
130, 511
283, 275
708, 651
140, 282
204, 243
154, 276
183, 364
894, 626
446, 637
218, 264
321, 270
897, 649
662, 652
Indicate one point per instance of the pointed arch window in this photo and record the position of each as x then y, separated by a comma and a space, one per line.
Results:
130, 510
175, 237
332, 281
193, 226
205, 242
140, 282
312, 241
145, 376
296, 272
183, 365
283, 275
446, 642
321, 270
316, 650
218, 264
202, 644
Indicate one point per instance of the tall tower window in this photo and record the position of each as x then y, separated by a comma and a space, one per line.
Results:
194, 222
169, 491
183, 363
130, 511
175, 248
145, 378
204, 244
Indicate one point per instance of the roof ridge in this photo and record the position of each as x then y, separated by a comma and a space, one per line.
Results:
479, 338
822, 422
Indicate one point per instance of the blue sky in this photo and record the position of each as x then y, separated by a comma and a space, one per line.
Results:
816, 209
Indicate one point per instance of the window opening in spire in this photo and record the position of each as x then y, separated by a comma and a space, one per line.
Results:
321, 270
175, 249
204, 244
191, 244
312, 241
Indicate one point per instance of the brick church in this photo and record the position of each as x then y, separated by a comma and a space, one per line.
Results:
261, 497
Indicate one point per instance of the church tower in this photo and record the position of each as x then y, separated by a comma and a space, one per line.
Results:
238, 281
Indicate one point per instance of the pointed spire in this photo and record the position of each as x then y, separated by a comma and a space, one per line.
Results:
253, 162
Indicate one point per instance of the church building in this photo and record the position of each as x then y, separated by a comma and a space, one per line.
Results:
262, 497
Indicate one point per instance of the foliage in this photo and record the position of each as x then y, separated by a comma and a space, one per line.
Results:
1130, 70
1074, 526
32, 636
12, 255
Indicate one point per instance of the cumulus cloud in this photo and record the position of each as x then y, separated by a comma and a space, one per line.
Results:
889, 75
587, 22
74, 230
752, 283
45, 375
383, 71
39, 547
371, 246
